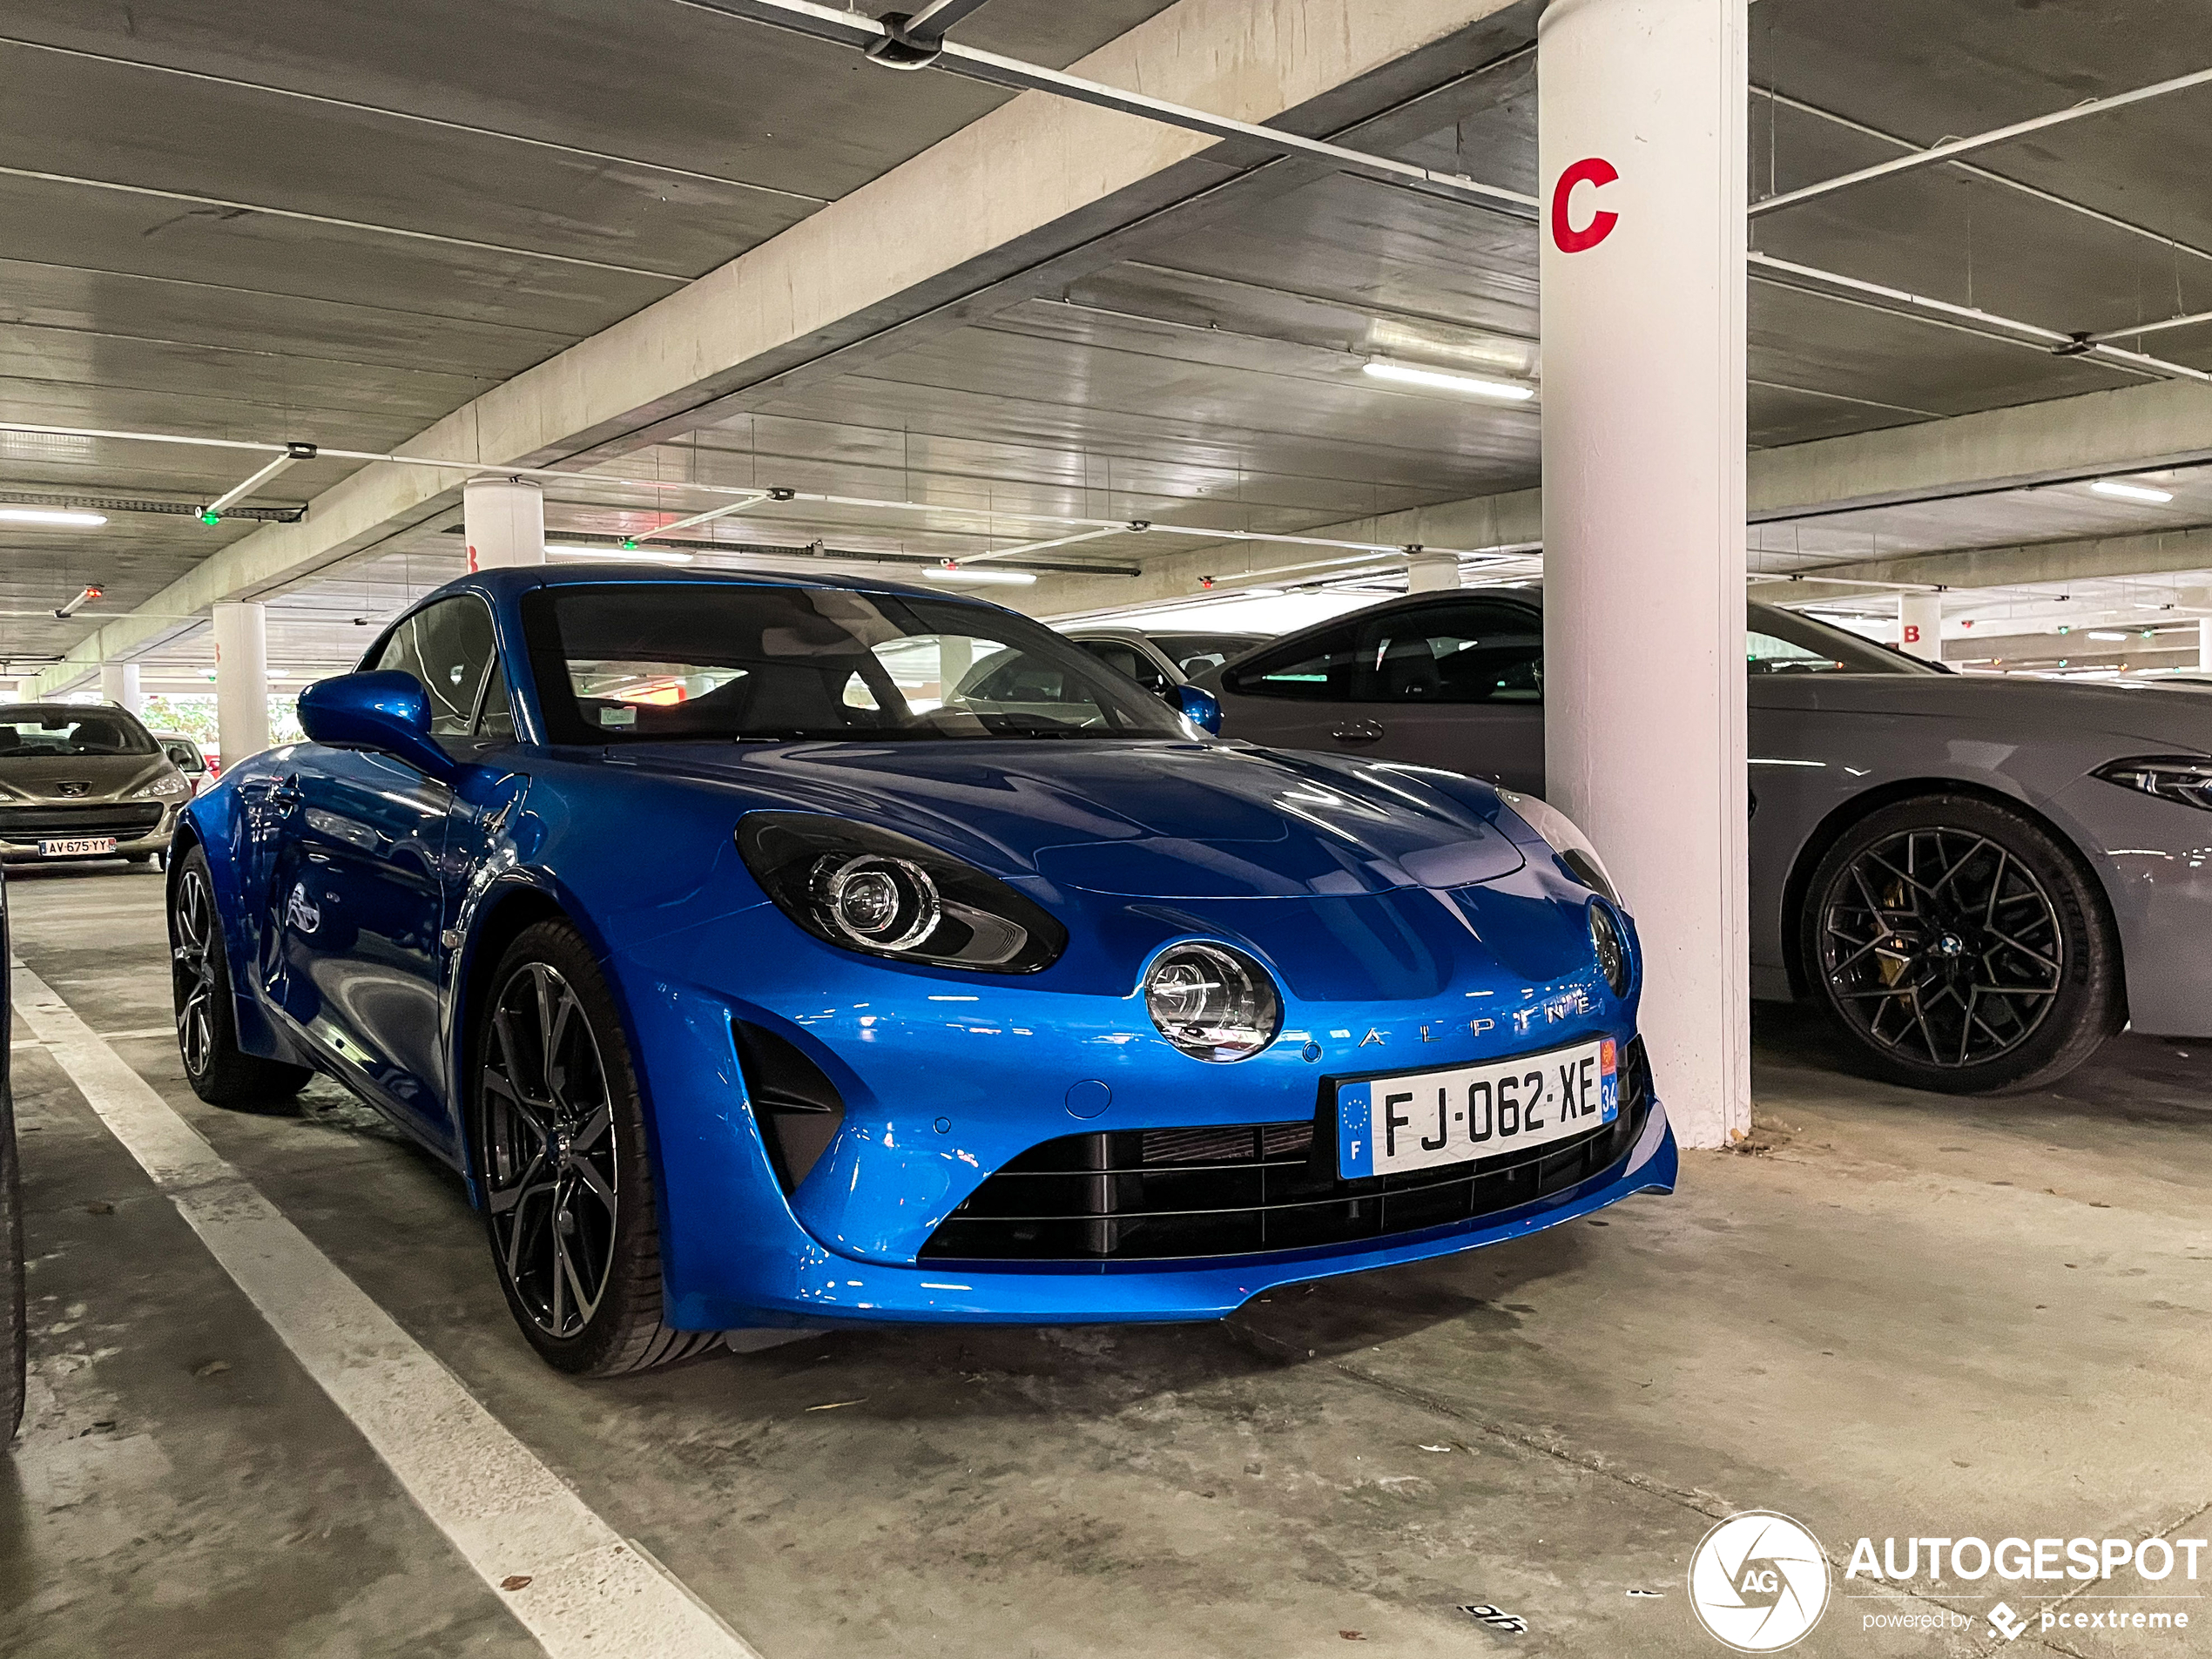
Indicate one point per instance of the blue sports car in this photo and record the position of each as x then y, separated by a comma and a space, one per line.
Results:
778, 953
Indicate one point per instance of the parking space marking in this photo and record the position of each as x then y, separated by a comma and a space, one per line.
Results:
584, 1589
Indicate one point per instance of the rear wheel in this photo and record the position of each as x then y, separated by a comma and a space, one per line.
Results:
559, 1151
1961, 948
219, 1071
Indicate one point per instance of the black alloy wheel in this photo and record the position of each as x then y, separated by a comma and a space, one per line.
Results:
1961, 948
219, 1071
558, 1148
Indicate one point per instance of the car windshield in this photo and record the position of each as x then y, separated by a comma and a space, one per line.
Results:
1195, 653
700, 661
28, 732
1784, 641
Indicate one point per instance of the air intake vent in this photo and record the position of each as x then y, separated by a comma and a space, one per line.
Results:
798, 1107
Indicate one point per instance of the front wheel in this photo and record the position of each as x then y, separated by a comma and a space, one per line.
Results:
220, 1072
1961, 948
558, 1149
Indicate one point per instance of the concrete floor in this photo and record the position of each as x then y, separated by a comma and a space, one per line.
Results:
1898, 1314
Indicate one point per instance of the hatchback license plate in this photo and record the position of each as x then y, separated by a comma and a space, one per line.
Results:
1424, 1118
76, 846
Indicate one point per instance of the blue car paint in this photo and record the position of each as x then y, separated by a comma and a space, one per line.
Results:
1412, 920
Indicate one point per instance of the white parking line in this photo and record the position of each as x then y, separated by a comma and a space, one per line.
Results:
586, 1590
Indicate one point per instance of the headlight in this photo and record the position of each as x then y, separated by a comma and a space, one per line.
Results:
1612, 945
163, 788
1212, 1002
873, 890
1566, 840
2181, 777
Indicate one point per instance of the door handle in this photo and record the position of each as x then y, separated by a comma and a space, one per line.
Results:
1356, 731
285, 794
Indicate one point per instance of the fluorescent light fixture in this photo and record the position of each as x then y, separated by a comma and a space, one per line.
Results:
1442, 380
2130, 492
51, 515
2101, 633
625, 554
980, 578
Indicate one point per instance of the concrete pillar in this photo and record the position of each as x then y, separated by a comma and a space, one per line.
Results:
1641, 155
119, 685
2204, 644
241, 680
1431, 572
504, 522
1919, 625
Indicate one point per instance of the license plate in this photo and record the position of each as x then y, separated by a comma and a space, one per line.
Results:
1424, 1118
79, 845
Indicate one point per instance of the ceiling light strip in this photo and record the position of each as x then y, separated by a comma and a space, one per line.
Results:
856, 30
1942, 152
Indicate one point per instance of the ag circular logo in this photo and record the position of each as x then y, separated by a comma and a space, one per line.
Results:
1758, 1581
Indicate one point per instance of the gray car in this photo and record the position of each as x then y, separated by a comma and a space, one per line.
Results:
1978, 878
1166, 661
83, 781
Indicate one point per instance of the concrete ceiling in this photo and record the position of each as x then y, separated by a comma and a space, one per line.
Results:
1204, 370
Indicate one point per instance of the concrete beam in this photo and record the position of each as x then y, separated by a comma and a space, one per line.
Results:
1037, 178
2019, 565
2136, 429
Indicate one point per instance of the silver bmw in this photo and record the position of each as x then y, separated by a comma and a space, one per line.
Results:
83, 781
1979, 878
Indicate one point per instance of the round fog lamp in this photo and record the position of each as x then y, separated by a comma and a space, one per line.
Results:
1213, 1002
1612, 948
887, 904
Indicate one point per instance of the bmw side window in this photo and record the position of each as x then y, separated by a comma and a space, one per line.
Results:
1324, 669
496, 723
1478, 652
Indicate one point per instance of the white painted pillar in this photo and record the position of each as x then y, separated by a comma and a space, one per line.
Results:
119, 685
1640, 153
504, 522
1432, 572
1919, 625
2204, 644
241, 680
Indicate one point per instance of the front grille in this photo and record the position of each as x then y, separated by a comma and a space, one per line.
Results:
25, 826
1246, 1189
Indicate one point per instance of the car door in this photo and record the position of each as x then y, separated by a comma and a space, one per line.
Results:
1455, 681
357, 900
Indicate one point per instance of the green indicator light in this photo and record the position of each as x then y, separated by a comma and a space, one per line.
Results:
629, 546
211, 517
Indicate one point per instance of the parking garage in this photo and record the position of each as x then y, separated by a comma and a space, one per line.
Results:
1667, 537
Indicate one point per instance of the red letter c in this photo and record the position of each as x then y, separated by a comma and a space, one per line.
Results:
1594, 171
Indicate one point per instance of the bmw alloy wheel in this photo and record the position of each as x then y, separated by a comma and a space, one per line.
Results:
192, 965
550, 1161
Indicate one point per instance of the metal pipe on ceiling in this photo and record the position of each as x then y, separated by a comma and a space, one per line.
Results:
871, 38
2188, 321
1941, 153
2027, 333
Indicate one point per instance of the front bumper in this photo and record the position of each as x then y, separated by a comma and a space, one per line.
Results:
23, 831
817, 1287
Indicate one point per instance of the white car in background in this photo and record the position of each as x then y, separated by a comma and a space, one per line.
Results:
1164, 662
190, 759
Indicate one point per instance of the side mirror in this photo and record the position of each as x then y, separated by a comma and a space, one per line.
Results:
386, 712
1201, 707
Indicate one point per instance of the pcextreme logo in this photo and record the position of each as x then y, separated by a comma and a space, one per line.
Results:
1759, 1582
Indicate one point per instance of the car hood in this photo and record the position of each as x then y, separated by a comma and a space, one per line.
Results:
2149, 714
1156, 819
104, 777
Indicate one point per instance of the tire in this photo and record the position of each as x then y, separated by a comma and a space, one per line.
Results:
220, 1072
563, 1167
1960, 948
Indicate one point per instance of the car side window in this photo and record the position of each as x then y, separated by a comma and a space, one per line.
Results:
1123, 657
1324, 667
1478, 651
449, 649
